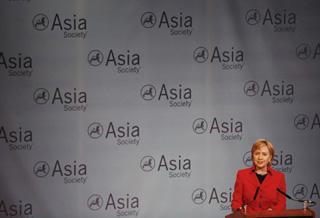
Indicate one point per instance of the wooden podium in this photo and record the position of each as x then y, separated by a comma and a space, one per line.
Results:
298, 213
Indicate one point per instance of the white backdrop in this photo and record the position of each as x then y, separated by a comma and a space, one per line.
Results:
148, 108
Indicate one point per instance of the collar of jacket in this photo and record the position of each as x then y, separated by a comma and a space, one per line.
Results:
269, 170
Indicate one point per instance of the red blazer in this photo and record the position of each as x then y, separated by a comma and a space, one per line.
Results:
267, 197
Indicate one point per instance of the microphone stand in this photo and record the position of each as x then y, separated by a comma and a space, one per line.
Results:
306, 203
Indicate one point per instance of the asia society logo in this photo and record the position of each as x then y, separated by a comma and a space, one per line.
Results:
307, 51
120, 205
174, 166
122, 133
41, 96
177, 24
307, 122
300, 191
251, 88
230, 58
282, 20
148, 92
95, 202
72, 172
301, 121
199, 196
121, 61
41, 169
228, 129
303, 51
17, 65
253, 17
247, 159
200, 126
201, 54
177, 96
306, 192
148, 20
95, 130
216, 196
95, 58
70, 100
147, 163
71, 26
40, 22
279, 92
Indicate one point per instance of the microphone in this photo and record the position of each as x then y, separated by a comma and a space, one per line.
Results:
244, 206
286, 195
289, 197
256, 193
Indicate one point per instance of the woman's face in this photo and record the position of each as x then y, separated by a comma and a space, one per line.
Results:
261, 158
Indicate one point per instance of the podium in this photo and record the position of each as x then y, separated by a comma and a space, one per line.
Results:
297, 213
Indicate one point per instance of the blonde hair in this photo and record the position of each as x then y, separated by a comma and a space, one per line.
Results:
260, 143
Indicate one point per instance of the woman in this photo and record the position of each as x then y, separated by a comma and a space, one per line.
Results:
256, 187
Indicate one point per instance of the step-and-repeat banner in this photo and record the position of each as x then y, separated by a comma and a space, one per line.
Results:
140, 108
